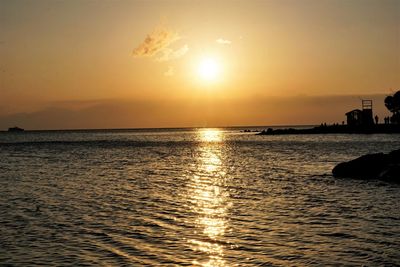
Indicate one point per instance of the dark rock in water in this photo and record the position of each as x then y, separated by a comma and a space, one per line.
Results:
391, 174
395, 155
380, 166
365, 167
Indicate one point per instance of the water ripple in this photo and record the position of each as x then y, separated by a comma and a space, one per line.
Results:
192, 198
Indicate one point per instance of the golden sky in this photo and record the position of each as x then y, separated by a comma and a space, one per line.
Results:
121, 64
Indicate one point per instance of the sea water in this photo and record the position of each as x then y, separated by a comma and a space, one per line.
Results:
192, 197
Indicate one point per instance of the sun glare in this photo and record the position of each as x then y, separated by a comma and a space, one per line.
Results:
209, 69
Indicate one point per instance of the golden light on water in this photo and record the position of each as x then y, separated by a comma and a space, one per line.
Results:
209, 198
210, 135
212, 162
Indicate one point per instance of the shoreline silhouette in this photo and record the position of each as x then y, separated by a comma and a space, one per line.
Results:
336, 129
359, 121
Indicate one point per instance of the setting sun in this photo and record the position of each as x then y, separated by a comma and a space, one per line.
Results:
209, 69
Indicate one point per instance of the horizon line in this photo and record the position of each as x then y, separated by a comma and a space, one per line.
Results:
165, 128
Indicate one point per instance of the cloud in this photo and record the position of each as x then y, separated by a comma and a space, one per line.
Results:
170, 71
157, 44
223, 41
170, 54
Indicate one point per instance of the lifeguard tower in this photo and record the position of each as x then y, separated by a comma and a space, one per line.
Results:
362, 117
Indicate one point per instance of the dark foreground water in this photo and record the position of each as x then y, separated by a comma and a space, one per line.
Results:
206, 197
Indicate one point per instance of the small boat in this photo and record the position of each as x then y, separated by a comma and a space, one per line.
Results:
15, 129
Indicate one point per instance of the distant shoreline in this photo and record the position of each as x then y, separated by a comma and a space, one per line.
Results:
258, 130
337, 129
244, 127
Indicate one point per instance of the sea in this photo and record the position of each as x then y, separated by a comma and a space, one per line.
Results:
193, 197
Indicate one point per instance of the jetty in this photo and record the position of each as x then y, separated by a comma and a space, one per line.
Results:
359, 121
336, 129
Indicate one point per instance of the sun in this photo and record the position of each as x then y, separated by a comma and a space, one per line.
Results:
209, 69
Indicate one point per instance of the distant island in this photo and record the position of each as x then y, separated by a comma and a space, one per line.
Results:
359, 121
15, 129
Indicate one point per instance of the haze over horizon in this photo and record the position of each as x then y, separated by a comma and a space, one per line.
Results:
134, 64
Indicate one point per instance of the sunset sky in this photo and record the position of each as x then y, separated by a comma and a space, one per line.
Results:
121, 64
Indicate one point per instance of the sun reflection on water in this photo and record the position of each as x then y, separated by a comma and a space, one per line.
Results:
210, 135
209, 199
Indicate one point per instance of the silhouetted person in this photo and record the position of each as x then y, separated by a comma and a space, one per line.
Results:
376, 119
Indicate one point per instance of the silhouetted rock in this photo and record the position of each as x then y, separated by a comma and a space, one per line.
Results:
391, 174
380, 166
366, 167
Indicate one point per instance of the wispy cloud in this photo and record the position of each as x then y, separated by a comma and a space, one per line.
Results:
223, 41
157, 44
170, 54
169, 72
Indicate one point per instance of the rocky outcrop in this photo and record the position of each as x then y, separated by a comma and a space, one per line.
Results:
380, 166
